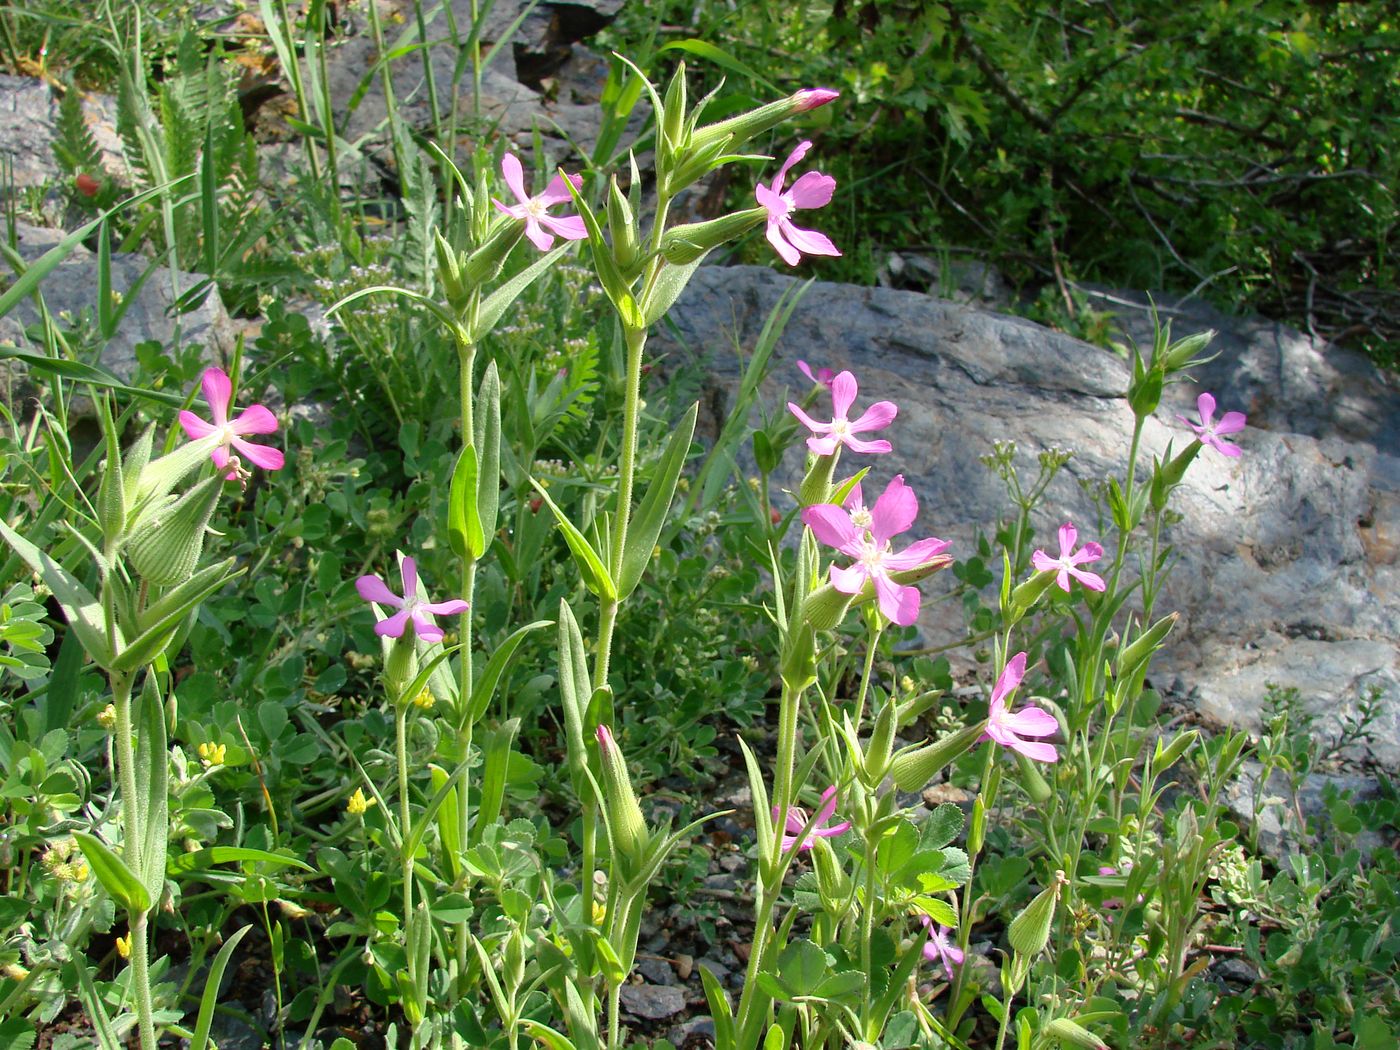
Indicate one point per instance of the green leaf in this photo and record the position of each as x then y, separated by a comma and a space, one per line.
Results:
81, 609
94, 1007
662, 294
940, 911
166, 615
200, 859
616, 286
941, 827
495, 304
575, 691
488, 442
723, 59
595, 574
484, 689
117, 879
152, 789
720, 1011
495, 760
210, 999
802, 966
463, 520
651, 513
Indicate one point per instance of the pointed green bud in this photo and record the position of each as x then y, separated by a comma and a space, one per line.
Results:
735, 131
166, 541
1167, 476
1164, 757
878, 751
1029, 931
157, 477
913, 768
833, 885
401, 667
134, 462
1132, 657
111, 497
486, 262
697, 163
1145, 392
684, 244
672, 119
628, 826
1068, 1033
450, 275
824, 608
816, 486
1026, 594
622, 224
977, 825
1032, 780
1186, 353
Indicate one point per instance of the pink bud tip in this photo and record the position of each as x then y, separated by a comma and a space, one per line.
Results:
605, 740
811, 98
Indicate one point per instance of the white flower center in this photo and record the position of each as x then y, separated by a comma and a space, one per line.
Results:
861, 518
840, 428
872, 555
536, 208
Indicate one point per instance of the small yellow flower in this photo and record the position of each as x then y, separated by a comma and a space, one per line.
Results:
80, 871
124, 946
358, 804
424, 699
600, 912
107, 717
212, 754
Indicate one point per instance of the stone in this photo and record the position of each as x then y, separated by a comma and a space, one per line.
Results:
29, 114
653, 1002
1280, 833
1286, 558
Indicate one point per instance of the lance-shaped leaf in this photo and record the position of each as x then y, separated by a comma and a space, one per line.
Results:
162, 620
488, 456
116, 878
496, 751
152, 791
209, 1000
80, 608
651, 514
616, 286
463, 518
495, 304
484, 689
595, 574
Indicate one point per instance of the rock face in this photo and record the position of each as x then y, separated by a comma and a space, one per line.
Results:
1287, 557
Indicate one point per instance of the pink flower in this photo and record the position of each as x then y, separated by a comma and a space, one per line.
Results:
823, 376
1210, 432
534, 210
797, 820
412, 608
812, 190
841, 430
940, 947
1007, 729
1067, 564
255, 419
811, 98
894, 512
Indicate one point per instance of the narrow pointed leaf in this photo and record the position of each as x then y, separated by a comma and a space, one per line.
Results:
117, 879
495, 304
651, 513
488, 443
80, 608
210, 999
484, 690
463, 520
595, 574
152, 789
495, 763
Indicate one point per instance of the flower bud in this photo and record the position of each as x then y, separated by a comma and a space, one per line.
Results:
673, 116
1033, 781
628, 827
111, 500
816, 486
833, 885
1131, 658
155, 478
824, 608
486, 262
738, 130
1029, 931
87, 185
877, 752
684, 244
1183, 353
1145, 391
622, 224
913, 768
1167, 476
1026, 594
1164, 757
1068, 1033
449, 273
401, 666
167, 540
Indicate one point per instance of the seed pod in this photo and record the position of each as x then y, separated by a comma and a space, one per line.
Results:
629, 828
877, 752
1029, 931
622, 224
165, 544
1131, 659
1068, 1033
912, 769
686, 243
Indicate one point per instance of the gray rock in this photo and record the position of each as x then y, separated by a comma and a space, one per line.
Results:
656, 971
652, 1002
1281, 817
1287, 557
29, 115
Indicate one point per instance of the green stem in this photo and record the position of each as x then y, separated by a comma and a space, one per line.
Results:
401, 747
141, 977
614, 1007
870, 648
132, 836
466, 355
867, 921
955, 1010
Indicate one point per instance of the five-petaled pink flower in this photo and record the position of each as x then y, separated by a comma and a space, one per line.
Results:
812, 190
1210, 432
1008, 729
826, 437
894, 512
822, 376
539, 224
940, 947
412, 607
821, 827
1067, 564
255, 419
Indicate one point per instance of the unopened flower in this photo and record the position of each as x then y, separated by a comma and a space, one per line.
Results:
894, 512
412, 608
1210, 432
1007, 729
1067, 564
827, 437
124, 946
939, 948
812, 190
107, 717
424, 699
357, 804
821, 828
255, 419
811, 98
540, 226
823, 376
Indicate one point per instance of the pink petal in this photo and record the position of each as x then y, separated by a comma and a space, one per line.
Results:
255, 419
1205, 405
900, 604
195, 427
1230, 423
218, 392
806, 371
1068, 534
538, 237
1092, 580
917, 554
878, 416
812, 190
448, 608
807, 421
1062, 580
1038, 752
408, 572
424, 627
570, 227
1031, 721
220, 456
808, 242
515, 211
843, 394
868, 448
556, 192
514, 174
785, 251
827, 809
373, 589
1224, 447
822, 446
393, 626
832, 525
1010, 678
833, 831
850, 580
793, 157
1002, 736
777, 207
1091, 551
894, 512
1043, 562
261, 455
854, 500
